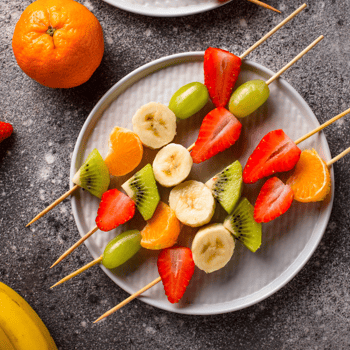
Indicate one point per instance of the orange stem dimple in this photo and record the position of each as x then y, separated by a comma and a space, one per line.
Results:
51, 31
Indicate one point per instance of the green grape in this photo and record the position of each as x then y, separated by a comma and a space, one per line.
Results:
189, 99
121, 248
248, 97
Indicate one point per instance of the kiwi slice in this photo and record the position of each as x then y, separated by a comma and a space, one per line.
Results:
142, 189
242, 225
93, 175
227, 186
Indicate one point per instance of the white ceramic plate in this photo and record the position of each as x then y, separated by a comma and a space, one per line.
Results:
166, 8
288, 242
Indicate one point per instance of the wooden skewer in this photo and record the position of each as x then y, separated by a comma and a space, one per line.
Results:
322, 126
340, 155
51, 206
77, 272
262, 4
274, 30
295, 59
74, 246
131, 297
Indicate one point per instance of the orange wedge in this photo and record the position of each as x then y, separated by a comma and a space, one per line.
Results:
162, 229
125, 151
311, 181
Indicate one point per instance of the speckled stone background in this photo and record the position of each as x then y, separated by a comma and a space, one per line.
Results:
310, 312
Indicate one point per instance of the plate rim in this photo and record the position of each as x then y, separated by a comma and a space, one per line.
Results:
163, 12
223, 307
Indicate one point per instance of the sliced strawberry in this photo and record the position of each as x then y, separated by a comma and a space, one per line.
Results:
221, 70
175, 267
220, 129
115, 209
276, 152
5, 130
274, 199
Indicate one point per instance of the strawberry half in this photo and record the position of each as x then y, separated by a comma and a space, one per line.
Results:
274, 199
175, 267
220, 129
221, 70
115, 209
5, 130
276, 152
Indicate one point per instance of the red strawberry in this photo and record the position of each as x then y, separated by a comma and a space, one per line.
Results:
115, 209
175, 267
221, 70
274, 199
220, 129
276, 152
5, 130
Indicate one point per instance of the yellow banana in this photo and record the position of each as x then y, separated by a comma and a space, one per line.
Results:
21, 324
5, 343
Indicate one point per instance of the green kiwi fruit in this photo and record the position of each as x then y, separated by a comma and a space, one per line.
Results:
242, 225
93, 175
226, 186
142, 189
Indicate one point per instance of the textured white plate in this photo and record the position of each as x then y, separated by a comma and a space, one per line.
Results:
166, 8
288, 242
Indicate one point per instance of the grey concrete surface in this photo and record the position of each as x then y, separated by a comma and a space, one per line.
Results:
310, 312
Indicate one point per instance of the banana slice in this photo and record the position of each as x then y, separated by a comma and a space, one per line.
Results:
212, 247
172, 165
193, 203
155, 124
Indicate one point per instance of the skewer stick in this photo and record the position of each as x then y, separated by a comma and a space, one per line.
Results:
295, 59
74, 246
340, 155
131, 297
77, 272
274, 30
57, 201
322, 126
262, 4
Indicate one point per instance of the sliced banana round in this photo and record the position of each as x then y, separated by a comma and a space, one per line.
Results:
212, 247
172, 165
193, 203
155, 124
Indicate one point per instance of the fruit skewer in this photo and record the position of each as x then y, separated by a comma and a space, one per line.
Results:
259, 42
276, 152
158, 279
220, 128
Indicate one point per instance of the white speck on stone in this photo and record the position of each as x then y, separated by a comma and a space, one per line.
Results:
50, 144
50, 158
42, 196
83, 324
14, 248
148, 32
175, 29
3, 194
109, 40
282, 7
89, 5
150, 330
28, 122
63, 210
243, 23
8, 153
44, 173
318, 313
247, 37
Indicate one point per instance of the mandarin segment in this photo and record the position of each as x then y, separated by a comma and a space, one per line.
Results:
311, 181
162, 230
125, 151
58, 43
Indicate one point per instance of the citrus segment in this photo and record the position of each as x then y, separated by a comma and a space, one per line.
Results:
311, 181
125, 151
162, 230
58, 43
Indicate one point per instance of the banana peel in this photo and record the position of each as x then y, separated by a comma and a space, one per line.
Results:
20, 326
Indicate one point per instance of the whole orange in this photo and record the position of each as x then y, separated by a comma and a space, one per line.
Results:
58, 43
